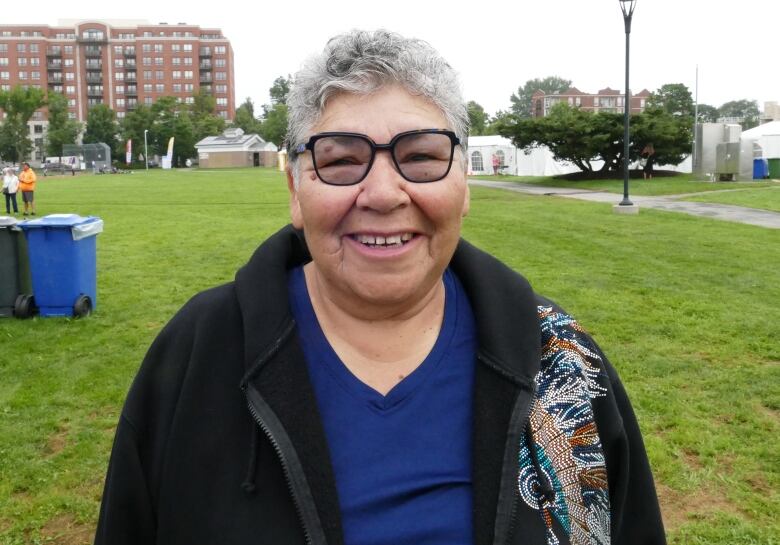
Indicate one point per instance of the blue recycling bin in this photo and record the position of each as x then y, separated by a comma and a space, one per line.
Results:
760, 169
63, 264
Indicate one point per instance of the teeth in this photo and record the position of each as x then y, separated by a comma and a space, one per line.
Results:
392, 240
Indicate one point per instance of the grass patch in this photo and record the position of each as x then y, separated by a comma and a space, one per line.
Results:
763, 198
673, 185
685, 307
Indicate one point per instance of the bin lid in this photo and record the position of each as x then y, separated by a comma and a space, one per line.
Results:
8, 221
58, 220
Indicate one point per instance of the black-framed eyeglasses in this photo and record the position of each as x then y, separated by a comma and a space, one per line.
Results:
345, 158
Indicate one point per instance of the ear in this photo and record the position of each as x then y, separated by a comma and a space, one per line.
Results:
295, 205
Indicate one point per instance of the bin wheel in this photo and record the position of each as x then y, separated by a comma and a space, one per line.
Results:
24, 306
83, 306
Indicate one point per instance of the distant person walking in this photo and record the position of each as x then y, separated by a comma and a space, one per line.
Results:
496, 163
27, 181
10, 187
648, 156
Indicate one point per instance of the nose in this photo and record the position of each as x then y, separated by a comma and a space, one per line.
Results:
383, 189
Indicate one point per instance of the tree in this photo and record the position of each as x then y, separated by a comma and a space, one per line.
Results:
102, 127
274, 125
478, 119
501, 118
205, 121
280, 89
245, 117
19, 104
746, 110
707, 113
674, 98
521, 101
133, 126
582, 137
62, 130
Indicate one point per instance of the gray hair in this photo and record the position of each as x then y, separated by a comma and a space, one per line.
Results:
361, 62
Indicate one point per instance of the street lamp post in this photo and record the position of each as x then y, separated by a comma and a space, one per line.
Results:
146, 150
627, 7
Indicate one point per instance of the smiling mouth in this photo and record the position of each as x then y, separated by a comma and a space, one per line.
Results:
376, 241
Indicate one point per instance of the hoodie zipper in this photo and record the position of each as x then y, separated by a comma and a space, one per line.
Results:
505, 529
306, 524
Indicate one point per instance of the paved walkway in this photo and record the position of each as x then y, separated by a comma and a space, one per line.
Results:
672, 203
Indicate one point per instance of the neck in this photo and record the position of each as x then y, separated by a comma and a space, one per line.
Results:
379, 344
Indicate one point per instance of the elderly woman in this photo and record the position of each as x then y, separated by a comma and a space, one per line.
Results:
369, 377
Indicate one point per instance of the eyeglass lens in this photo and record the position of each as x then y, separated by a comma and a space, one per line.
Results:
420, 157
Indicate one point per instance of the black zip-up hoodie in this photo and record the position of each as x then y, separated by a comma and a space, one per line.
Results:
220, 441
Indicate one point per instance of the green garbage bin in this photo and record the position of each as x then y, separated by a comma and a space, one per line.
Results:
774, 168
15, 286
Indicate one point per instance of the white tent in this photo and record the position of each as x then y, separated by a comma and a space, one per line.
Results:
767, 136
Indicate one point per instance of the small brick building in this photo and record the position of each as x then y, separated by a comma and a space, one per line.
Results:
233, 148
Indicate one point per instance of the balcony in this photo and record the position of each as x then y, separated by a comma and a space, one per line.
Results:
55, 86
205, 78
94, 92
53, 65
54, 52
132, 107
93, 38
205, 65
205, 89
131, 91
205, 52
130, 63
94, 78
93, 65
130, 76
129, 52
92, 52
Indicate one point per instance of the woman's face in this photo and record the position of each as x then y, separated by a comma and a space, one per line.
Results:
383, 242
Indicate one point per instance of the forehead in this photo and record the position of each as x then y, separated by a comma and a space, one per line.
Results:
381, 114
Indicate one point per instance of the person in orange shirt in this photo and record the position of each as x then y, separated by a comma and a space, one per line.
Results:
27, 180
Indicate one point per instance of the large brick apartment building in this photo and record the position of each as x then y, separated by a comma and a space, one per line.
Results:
119, 63
606, 100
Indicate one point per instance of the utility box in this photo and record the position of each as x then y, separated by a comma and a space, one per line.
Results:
727, 161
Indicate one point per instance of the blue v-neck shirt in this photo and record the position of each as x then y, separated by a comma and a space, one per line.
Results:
402, 462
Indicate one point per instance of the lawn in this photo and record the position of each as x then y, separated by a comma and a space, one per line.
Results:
686, 308
765, 198
673, 185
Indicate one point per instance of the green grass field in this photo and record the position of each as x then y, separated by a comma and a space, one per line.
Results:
685, 307
765, 198
683, 183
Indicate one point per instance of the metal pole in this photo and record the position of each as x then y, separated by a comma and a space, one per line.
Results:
146, 150
626, 201
695, 120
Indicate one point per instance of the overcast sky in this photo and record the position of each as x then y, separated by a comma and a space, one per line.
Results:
496, 46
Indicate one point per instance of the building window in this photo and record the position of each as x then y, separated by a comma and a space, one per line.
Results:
70, 76
3, 61
71, 102
70, 89
188, 61
175, 48
476, 161
21, 61
148, 101
146, 48
67, 62
176, 74
222, 101
119, 76
147, 74
120, 89
158, 48
219, 63
21, 48
158, 61
177, 87
67, 49
120, 115
119, 63
5, 75
34, 48
176, 61
223, 114
578, 101
188, 87
221, 89
22, 75
159, 88
71, 115
187, 47
35, 61
120, 103
38, 129
188, 74
159, 74
147, 87
189, 100
147, 34
147, 61
3, 48
35, 75
219, 49
221, 76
